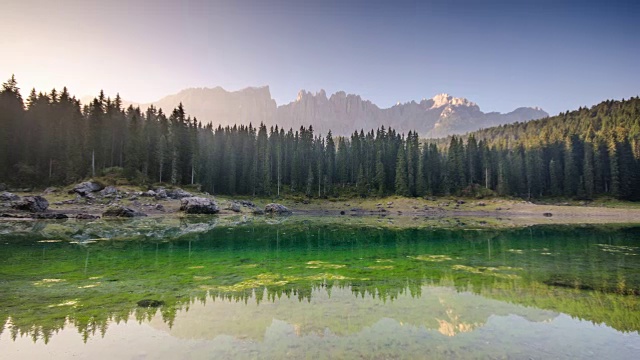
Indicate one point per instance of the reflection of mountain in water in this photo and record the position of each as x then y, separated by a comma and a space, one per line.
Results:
441, 309
376, 273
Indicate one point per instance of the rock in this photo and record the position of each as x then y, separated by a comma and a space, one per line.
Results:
3, 187
257, 211
14, 216
278, 209
342, 212
390, 203
159, 207
109, 190
460, 202
305, 201
50, 216
547, 214
50, 190
247, 203
87, 217
178, 193
235, 207
7, 196
198, 205
121, 211
87, 187
161, 194
149, 193
150, 303
32, 203
482, 204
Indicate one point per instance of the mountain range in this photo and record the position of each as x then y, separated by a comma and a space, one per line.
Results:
340, 112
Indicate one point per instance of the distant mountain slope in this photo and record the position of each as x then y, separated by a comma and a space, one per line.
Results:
606, 120
341, 113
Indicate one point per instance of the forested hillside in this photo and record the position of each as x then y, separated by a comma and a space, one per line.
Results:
49, 139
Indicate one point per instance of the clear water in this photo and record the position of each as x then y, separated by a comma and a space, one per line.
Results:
307, 289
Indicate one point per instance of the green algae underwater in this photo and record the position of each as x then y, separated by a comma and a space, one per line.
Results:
305, 288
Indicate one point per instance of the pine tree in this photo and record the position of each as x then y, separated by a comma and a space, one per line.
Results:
402, 188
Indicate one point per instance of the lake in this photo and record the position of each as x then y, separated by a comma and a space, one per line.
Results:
301, 288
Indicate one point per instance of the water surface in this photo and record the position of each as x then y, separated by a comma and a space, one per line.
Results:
306, 289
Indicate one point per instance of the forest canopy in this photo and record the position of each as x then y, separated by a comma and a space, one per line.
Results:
53, 139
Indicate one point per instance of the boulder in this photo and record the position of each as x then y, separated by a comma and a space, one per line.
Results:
247, 203
159, 207
257, 211
33, 204
109, 190
50, 190
7, 196
121, 211
87, 217
277, 209
149, 193
198, 205
87, 187
178, 194
234, 206
161, 194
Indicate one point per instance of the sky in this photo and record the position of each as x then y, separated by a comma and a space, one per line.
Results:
558, 55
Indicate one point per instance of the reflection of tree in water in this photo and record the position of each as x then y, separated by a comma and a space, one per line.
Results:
254, 264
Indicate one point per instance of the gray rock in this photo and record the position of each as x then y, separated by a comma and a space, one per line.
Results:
149, 193
235, 207
161, 194
87, 187
198, 205
159, 207
33, 204
277, 209
178, 193
109, 190
50, 190
257, 211
7, 196
121, 211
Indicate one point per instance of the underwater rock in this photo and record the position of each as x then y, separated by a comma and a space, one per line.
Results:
122, 211
278, 209
150, 303
32, 204
198, 205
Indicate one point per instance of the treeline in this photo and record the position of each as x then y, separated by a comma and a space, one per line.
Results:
51, 139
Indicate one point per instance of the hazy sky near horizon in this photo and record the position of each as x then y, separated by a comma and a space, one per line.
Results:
558, 55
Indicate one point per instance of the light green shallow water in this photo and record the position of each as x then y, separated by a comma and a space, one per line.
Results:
307, 289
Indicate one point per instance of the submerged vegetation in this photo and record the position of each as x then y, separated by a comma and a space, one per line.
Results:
592, 273
52, 139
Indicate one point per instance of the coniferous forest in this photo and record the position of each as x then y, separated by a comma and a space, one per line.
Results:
52, 139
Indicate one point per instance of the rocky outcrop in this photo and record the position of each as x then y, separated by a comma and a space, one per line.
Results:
276, 209
198, 205
235, 207
87, 187
341, 113
7, 196
122, 211
33, 204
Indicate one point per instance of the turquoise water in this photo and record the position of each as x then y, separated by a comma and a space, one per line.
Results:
307, 289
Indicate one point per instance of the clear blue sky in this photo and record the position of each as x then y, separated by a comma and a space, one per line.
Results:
558, 55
